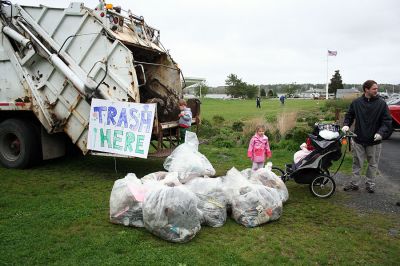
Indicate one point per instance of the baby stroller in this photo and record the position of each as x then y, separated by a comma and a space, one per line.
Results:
313, 169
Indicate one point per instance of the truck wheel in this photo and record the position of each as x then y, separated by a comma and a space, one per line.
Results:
19, 146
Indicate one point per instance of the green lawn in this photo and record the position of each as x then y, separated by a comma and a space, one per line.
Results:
57, 213
244, 110
236, 110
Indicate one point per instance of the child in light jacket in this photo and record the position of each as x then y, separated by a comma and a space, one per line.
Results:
185, 119
259, 148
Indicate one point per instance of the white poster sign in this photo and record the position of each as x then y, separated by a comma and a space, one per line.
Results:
120, 127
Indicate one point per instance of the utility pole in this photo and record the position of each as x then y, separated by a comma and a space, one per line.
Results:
327, 77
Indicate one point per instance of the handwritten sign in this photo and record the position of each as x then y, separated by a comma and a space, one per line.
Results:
120, 127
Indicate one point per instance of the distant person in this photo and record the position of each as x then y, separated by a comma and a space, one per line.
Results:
373, 122
185, 119
258, 101
282, 99
259, 149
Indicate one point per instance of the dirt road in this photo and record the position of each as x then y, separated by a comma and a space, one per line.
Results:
390, 158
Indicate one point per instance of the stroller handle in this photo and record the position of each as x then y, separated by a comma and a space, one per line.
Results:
350, 134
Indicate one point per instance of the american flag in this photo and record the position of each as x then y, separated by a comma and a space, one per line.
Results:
332, 53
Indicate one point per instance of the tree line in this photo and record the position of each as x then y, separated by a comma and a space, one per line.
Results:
237, 88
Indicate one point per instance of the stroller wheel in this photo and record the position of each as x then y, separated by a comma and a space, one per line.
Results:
323, 186
279, 172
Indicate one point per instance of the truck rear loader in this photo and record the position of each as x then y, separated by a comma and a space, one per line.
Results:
54, 61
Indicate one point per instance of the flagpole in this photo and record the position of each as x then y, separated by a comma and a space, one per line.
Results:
327, 77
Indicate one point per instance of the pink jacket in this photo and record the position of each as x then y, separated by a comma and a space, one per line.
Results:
259, 149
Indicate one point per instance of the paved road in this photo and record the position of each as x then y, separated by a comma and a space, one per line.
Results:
389, 163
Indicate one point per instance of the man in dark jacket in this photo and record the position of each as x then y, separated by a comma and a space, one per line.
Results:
373, 122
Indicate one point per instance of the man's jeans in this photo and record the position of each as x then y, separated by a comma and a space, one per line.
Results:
360, 153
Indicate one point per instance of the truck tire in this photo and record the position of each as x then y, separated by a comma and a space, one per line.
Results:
19, 144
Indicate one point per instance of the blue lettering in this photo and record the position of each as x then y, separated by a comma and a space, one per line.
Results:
100, 109
145, 119
133, 113
112, 112
122, 118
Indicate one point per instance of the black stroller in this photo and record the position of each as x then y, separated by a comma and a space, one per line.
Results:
314, 168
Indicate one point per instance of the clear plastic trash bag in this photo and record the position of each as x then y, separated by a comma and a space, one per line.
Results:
270, 179
256, 205
212, 200
188, 161
171, 213
126, 201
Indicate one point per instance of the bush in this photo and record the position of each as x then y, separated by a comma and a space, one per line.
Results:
300, 119
218, 120
238, 126
206, 129
226, 138
298, 134
271, 118
221, 142
311, 119
273, 135
285, 144
330, 117
341, 104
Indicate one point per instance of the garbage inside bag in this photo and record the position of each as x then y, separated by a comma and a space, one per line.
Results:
126, 201
156, 176
188, 161
232, 183
163, 178
247, 172
171, 213
212, 200
270, 179
256, 205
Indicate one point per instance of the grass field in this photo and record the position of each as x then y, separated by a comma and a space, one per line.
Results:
233, 110
57, 213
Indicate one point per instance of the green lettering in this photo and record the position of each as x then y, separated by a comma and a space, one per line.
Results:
117, 138
106, 137
129, 138
139, 144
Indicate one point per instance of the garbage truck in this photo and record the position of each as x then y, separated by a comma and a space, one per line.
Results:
54, 61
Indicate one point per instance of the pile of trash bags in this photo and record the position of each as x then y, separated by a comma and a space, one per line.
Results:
174, 205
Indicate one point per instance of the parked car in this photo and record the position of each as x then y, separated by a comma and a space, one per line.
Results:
394, 109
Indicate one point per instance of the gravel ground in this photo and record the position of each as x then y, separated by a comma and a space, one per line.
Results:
383, 200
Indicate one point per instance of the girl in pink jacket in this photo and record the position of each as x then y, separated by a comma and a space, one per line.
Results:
259, 148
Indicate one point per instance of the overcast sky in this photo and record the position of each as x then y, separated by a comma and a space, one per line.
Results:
271, 41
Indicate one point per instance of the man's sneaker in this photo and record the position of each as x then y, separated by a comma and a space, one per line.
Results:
350, 187
370, 189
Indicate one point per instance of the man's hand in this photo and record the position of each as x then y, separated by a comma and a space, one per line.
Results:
345, 129
377, 137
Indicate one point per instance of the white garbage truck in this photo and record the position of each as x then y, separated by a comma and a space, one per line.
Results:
54, 61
